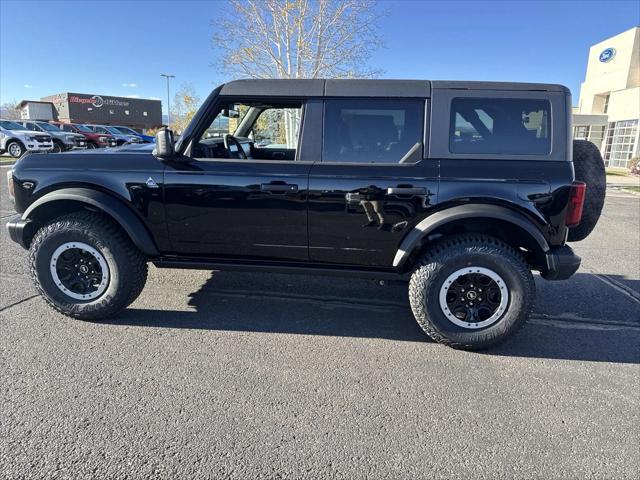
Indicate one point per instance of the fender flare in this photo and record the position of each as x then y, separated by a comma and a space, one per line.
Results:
414, 238
120, 212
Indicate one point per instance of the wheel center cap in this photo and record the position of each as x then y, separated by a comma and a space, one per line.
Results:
84, 269
471, 295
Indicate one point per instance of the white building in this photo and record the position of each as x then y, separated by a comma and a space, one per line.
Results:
34, 110
608, 110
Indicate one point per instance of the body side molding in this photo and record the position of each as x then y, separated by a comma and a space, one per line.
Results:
438, 219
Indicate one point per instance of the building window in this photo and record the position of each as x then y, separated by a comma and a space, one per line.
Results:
144, 114
605, 108
621, 143
126, 112
581, 132
110, 112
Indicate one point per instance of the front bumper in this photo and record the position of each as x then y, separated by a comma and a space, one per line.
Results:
561, 263
79, 145
19, 230
34, 147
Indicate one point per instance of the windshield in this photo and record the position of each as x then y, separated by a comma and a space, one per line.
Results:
48, 127
82, 128
113, 130
126, 131
11, 125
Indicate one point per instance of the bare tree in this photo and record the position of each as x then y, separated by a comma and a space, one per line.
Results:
185, 104
10, 110
298, 38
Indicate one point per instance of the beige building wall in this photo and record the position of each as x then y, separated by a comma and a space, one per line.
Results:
624, 105
610, 94
619, 73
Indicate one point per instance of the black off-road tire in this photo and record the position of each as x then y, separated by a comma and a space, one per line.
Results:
464, 251
589, 168
127, 265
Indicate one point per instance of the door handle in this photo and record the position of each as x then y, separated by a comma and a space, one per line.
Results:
279, 187
406, 191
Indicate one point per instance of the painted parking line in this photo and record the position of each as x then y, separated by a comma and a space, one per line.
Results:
618, 286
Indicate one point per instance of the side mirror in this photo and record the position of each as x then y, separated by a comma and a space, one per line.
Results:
164, 144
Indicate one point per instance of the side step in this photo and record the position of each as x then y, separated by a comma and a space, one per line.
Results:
289, 269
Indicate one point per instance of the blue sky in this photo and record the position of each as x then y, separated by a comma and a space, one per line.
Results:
120, 48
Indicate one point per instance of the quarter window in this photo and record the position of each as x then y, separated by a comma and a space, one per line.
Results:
500, 126
372, 131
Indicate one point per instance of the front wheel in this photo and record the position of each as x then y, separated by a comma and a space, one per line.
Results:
471, 292
58, 147
16, 149
86, 267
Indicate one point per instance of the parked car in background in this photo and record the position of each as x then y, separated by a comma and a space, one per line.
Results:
17, 140
94, 140
62, 141
120, 138
131, 131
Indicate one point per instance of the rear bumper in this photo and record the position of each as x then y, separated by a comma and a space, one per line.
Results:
17, 228
561, 263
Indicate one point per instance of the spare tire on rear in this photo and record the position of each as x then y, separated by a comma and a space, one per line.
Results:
589, 168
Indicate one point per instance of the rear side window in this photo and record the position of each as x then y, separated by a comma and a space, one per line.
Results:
500, 126
371, 131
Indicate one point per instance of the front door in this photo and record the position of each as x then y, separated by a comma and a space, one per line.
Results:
372, 185
242, 196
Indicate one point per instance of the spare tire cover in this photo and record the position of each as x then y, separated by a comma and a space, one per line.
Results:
589, 168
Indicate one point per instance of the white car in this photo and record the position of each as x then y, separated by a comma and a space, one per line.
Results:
17, 140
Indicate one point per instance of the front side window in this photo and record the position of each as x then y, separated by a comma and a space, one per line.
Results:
372, 131
264, 131
277, 128
500, 126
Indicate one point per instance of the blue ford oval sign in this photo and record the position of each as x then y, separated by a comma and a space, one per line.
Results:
607, 55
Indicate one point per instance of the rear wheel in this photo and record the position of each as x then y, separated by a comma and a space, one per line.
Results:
86, 267
471, 292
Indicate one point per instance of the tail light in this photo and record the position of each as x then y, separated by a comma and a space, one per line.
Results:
576, 203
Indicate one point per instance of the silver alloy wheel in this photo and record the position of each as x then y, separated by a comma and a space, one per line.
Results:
79, 271
474, 297
15, 150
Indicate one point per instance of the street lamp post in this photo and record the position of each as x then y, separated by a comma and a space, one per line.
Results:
168, 98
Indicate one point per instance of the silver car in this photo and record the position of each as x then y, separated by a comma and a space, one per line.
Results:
17, 140
62, 141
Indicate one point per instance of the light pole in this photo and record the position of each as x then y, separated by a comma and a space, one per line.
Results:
168, 100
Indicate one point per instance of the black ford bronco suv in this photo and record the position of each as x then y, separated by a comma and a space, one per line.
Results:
461, 188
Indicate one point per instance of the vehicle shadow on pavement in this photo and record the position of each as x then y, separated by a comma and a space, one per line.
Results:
226, 302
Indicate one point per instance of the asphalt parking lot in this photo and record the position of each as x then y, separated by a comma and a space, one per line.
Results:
272, 376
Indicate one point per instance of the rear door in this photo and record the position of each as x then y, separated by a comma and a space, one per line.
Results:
373, 184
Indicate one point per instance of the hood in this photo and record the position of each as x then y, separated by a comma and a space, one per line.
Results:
77, 162
28, 133
126, 148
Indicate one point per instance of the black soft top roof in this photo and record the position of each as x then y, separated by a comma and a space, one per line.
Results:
368, 88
